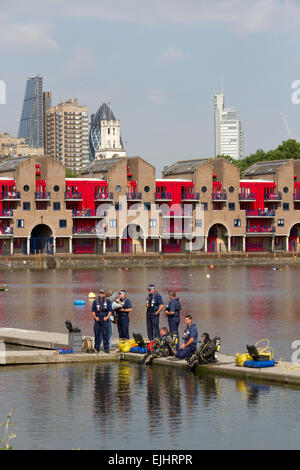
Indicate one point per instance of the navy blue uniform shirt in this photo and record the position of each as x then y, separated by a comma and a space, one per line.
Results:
126, 304
190, 332
153, 302
174, 306
101, 308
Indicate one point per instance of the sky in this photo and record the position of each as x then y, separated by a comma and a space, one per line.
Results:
159, 64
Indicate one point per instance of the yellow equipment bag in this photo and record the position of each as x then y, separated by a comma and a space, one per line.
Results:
125, 345
241, 358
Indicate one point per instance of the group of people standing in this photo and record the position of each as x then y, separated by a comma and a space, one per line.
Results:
110, 308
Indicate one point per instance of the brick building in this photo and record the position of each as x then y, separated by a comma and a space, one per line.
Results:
118, 205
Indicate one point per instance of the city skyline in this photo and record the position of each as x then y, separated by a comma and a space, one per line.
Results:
160, 68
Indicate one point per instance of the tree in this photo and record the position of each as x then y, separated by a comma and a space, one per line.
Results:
71, 173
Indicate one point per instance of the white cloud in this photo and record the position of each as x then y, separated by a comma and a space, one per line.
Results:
25, 36
247, 16
156, 96
172, 55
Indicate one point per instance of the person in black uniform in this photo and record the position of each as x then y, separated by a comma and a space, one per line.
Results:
154, 305
122, 315
205, 354
101, 311
173, 313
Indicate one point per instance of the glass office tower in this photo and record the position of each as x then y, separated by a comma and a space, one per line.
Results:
32, 120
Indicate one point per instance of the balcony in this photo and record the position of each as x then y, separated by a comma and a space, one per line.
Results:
176, 213
42, 196
11, 196
260, 213
296, 196
247, 196
219, 197
84, 231
259, 229
163, 196
87, 213
6, 231
103, 196
69, 196
190, 197
273, 196
134, 196
6, 214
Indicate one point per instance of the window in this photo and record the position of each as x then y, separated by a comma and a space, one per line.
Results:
285, 206
285, 189
113, 223
56, 188
198, 223
231, 206
118, 188
205, 206
280, 222
56, 206
26, 206
231, 189
20, 223
152, 223
147, 206
62, 223
118, 206
26, 188
204, 189
237, 222
147, 189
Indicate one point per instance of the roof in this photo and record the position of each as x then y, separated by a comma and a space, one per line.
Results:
11, 163
101, 165
104, 113
184, 166
265, 167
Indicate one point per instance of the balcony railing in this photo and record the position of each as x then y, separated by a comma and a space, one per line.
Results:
190, 197
273, 196
6, 213
260, 213
178, 213
14, 195
219, 196
164, 196
134, 196
73, 196
84, 230
42, 196
103, 196
247, 196
259, 229
88, 213
296, 196
6, 231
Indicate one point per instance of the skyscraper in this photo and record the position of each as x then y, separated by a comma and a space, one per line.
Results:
229, 137
32, 122
105, 137
67, 134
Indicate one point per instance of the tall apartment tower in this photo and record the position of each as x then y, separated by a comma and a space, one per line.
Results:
105, 136
229, 137
67, 134
31, 126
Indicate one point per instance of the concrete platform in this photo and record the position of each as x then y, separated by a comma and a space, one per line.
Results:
281, 374
44, 347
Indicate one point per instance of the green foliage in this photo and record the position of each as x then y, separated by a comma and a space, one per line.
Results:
289, 149
71, 173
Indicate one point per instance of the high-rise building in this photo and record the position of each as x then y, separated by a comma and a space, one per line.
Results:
105, 136
67, 134
32, 121
229, 137
12, 147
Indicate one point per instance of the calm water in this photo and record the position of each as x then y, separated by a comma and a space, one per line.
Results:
128, 406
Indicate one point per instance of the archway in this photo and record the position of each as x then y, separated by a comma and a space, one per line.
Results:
41, 239
294, 238
217, 239
132, 239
